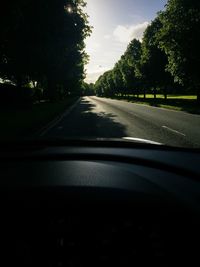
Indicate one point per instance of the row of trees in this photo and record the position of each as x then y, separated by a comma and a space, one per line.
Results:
88, 89
166, 61
42, 44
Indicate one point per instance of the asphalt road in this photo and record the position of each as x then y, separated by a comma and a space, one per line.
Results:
95, 117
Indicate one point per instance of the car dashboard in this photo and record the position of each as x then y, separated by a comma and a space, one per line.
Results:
99, 204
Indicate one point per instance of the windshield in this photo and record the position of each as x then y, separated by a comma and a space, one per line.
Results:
74, 69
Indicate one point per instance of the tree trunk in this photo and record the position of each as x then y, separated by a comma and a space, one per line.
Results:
154, 93
51, 91
51, 94
165, 91
19, 82
198, 97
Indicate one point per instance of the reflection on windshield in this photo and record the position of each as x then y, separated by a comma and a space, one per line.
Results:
74, 69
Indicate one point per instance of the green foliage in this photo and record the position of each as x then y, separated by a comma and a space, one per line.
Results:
152, 67
179, 38
88, 89
122, 78
43, 41
168, 59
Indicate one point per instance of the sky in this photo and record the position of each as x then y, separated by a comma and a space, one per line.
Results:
115, 23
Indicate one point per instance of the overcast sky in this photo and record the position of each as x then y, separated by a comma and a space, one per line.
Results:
116, 23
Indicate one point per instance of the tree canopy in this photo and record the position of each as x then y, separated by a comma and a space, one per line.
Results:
179, 38
43, 41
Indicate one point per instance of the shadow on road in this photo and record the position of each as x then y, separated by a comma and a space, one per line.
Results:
85, 121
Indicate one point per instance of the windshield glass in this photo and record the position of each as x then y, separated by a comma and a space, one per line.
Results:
74, 69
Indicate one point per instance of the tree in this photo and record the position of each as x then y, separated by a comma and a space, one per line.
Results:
132, 57
44, 41
118, 81
179, 37
154, 61
122, 78
88, 89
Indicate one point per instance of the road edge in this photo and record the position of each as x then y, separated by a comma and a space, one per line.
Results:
55, 121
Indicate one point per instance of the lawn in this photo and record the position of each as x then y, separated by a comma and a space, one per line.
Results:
25, 122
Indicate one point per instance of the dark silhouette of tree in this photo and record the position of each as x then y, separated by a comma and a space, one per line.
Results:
43, 41
88, 89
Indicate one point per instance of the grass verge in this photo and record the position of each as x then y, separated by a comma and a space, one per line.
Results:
174, 102
159, 96
15, 123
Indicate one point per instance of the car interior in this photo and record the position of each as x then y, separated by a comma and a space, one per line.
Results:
98, 203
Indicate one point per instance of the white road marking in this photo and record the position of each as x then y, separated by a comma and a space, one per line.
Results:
172, 130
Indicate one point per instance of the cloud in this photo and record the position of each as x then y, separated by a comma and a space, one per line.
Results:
93, 75
107, 36
125, 34
97, 70
92, 46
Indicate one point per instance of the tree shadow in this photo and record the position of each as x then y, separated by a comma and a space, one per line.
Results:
187, 105
86, 122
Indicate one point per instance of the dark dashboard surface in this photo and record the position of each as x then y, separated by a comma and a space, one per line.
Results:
92, 205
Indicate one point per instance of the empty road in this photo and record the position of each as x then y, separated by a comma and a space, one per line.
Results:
95, 117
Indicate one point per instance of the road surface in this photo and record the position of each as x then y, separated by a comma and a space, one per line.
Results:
95, 117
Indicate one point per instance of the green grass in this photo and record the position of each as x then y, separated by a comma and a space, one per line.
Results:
170, 96
23, 123
187, 103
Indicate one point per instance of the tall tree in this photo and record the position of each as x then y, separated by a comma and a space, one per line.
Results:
154, 61
130, 61
122, 78
118, 80
179, 37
